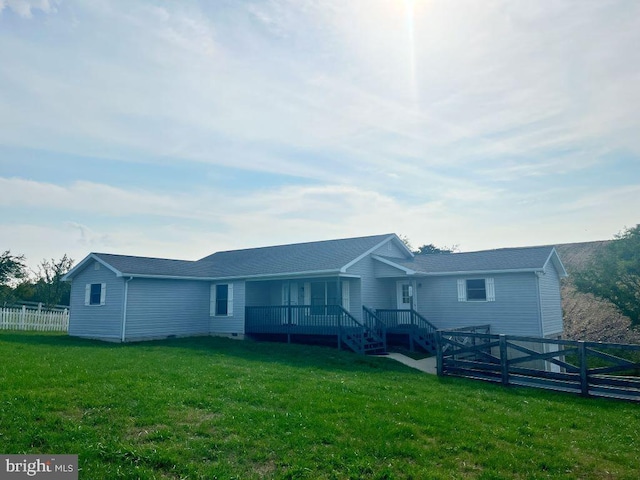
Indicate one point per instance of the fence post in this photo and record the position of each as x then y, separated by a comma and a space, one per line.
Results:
23, 314
439, 352
504, 362
584, 369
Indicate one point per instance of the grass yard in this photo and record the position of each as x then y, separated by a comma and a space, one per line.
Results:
208, 408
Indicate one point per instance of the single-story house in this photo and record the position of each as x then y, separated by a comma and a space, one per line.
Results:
360, 289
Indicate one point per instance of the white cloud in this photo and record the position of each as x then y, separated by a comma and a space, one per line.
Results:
25, 8
449, 135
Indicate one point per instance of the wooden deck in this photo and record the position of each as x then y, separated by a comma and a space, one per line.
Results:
332, 320
311, 320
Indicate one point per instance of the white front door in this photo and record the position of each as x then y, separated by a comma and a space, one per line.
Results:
405, 294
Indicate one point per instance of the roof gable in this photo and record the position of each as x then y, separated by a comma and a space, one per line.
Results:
312, 257
523, 259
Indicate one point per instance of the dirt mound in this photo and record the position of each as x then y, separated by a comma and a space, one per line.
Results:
587, 317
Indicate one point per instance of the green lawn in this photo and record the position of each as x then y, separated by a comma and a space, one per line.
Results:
218, 408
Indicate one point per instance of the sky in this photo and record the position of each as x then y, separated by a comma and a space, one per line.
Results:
177, 129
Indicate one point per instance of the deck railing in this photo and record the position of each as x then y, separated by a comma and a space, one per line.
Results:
331, 320
372, 321
306, 319
404, 319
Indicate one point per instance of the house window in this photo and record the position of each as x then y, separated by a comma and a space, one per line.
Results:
222, 297
221, 300
95, 293
325, 297
476, 290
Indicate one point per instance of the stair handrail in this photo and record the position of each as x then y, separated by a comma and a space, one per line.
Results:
379, 325
364, 327
423, 322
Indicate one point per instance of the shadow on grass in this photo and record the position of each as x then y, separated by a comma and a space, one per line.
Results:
248, 350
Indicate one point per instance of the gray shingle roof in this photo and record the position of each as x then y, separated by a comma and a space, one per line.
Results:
322, 256
329, 255
127, 264
504, 259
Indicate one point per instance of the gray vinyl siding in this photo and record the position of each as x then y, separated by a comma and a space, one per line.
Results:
158, 308
390, 249
550, 301
96, 321
381, 269
258, 294
515, 310
231, 324
373, 292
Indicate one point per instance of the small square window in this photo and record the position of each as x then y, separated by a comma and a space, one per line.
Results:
476, 289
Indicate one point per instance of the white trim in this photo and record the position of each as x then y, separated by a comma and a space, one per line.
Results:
555, 258
213, 300
87, 295
391, 237
477, 273
92, 256
391, 263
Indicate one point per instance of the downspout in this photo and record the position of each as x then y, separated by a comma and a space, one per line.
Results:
124, 308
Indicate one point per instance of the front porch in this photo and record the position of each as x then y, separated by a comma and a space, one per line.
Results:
369, 335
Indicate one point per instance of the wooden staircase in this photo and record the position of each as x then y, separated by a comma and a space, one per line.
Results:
424, 333
418, 329
364, 342
361, 338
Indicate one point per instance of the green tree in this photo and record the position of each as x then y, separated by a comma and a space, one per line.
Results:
431, 249
12, 270
614, 275
49, 287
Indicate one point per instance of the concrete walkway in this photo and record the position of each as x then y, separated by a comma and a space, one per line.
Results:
426, 365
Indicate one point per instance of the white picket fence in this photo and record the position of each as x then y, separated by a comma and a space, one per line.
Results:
38, 320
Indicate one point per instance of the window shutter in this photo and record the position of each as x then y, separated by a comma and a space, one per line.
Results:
103, 294
491, 290
346, 300
87, 294
462, 290
212, 303
230, 300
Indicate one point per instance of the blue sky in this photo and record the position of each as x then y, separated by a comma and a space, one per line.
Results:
177, 129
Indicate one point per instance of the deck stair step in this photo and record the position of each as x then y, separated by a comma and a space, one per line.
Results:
364, 342
424, 339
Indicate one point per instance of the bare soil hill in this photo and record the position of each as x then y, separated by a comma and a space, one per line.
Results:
587, 317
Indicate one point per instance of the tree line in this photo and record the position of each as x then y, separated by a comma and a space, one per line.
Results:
614, 274
44, 284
